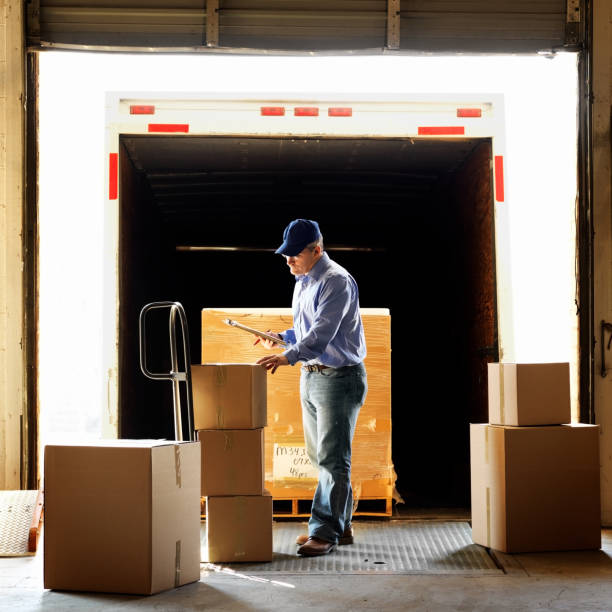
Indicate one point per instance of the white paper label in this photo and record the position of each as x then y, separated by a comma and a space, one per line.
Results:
293, 462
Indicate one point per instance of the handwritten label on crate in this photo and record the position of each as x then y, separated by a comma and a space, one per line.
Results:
293, 462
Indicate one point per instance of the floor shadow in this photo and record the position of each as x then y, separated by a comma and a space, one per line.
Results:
194, 596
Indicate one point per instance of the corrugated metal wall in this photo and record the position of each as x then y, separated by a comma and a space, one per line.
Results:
303, 25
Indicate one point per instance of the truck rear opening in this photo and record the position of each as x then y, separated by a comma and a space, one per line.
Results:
405, 196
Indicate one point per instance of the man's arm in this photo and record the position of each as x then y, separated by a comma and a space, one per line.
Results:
288, 336
272, 362
334, 301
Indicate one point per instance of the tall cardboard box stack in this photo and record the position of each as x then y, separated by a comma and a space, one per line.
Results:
230, 413
535, 477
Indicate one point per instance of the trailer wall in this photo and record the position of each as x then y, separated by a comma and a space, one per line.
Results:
602, 221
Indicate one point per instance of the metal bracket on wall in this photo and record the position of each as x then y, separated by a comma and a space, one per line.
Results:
573, 11
605, 326
212, 23
393, 24
572, 22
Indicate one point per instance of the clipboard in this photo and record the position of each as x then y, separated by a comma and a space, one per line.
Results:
255, 332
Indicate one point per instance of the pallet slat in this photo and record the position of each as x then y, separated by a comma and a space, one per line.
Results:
35, 524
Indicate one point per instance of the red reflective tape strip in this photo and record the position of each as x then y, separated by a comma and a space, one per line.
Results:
469, 112
306, 111
340, 112
140, 109
113, 175
499, 178
273, 111
168, 127
437, 130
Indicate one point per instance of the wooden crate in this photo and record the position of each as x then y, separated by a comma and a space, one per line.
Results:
288, 475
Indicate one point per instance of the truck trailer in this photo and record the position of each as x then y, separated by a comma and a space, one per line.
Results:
409, 193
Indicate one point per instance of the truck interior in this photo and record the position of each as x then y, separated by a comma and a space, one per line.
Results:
411, 219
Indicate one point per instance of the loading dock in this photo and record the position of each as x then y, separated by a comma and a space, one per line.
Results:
597, 100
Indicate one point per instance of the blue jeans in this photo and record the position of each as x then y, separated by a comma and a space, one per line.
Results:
331, 400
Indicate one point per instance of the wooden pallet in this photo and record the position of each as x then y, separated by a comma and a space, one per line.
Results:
35, 525
20, 522
300, 507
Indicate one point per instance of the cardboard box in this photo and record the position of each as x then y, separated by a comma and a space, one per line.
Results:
535, 488
122, 516
522, 394
238, 528
372, 466
232, 461
229, 396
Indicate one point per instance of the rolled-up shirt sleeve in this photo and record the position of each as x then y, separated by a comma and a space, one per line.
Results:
333, 303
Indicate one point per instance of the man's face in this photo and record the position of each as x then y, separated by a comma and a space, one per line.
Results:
303, 262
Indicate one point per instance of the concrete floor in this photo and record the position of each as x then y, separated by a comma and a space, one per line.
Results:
576, 581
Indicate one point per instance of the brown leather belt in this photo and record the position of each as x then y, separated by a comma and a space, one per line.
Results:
315, 367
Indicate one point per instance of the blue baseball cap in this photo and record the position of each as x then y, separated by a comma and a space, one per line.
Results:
298, 235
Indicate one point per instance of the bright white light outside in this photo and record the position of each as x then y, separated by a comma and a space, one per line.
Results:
540, 97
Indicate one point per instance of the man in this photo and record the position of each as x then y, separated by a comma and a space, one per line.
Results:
327, 337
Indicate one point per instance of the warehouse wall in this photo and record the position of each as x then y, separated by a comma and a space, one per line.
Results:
602, 220
12, 118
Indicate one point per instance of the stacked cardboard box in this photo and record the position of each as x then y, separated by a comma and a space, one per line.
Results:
230, 413
122, 516
535, 478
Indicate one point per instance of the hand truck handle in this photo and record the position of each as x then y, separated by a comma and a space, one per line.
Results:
175, 376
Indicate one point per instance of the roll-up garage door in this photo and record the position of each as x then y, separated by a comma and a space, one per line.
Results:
308, 25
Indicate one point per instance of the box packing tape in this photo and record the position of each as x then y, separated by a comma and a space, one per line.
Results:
228, 445
488, 490
502, 407
220, 417
177, 465
177, 565
220, 381
488, 502
220, 376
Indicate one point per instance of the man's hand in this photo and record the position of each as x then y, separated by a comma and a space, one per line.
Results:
268, 344
272, 362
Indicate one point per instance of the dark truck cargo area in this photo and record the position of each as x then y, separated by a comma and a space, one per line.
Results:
411, 219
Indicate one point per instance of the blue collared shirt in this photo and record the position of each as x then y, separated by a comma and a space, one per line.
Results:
327, 327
